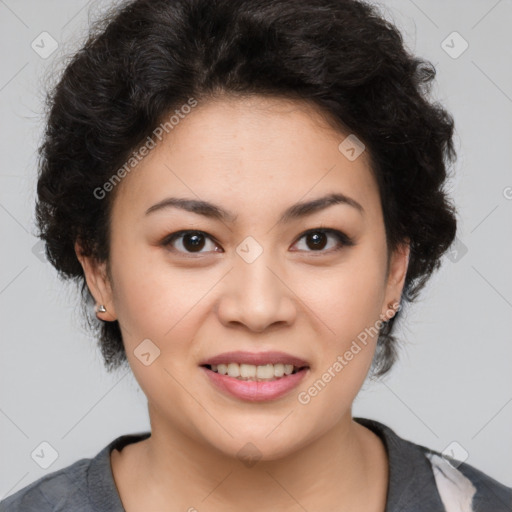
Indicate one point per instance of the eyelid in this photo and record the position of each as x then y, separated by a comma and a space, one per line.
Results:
166, 242
343, 239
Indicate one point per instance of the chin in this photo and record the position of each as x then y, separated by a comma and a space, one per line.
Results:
253, 446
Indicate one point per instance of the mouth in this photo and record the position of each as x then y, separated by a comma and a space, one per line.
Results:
255, 376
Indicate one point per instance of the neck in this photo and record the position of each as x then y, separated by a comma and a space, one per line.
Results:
337, 467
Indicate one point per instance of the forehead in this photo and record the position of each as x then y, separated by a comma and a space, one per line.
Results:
251, 153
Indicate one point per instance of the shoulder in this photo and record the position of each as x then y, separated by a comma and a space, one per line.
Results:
65, 489
85, 486
460, 483
424, 479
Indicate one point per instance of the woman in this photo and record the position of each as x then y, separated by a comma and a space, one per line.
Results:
250, 191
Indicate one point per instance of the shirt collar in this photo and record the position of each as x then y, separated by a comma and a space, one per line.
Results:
411, 479
100, 479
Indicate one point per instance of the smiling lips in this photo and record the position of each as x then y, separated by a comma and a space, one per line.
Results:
255, 376
255, 365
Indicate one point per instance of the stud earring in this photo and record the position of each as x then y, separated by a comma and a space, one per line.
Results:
391, 307
101, 309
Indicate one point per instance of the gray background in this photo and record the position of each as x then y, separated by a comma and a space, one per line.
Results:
454, 379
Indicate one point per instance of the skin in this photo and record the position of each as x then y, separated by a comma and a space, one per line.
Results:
255, 157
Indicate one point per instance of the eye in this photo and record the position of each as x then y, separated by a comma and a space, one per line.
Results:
317, 239
189, 242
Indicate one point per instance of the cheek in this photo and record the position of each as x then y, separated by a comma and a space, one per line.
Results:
350, 305
154, 301
348, 298
164, 307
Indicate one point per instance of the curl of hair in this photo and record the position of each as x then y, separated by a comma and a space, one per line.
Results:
149, 57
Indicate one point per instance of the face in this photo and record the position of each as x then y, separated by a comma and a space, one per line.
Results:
190, 285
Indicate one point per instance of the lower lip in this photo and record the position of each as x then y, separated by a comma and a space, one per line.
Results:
254, 391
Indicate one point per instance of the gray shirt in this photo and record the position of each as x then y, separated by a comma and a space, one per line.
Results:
420, 480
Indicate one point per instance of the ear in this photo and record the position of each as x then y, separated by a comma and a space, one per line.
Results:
98, 283
398, 265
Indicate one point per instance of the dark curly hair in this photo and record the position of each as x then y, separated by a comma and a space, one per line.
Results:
147, 58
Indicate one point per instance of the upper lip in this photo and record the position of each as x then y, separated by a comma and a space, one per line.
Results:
255, 358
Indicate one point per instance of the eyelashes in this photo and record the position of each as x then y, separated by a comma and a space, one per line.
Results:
195, 240
341, 238
192, 242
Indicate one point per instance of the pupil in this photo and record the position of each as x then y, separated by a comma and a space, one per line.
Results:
319, 240
195, 241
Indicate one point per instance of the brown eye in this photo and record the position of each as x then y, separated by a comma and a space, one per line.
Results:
189, 242
193, 242
316, 240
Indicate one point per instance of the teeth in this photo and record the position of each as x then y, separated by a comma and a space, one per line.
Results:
248, 370
265, 372
233, 370
253, 372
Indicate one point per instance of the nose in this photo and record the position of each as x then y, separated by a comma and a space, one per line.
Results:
257, 296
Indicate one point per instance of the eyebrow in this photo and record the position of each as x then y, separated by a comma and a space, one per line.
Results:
294, 212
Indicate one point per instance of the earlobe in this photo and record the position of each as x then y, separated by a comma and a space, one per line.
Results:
98, 283
398, 267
